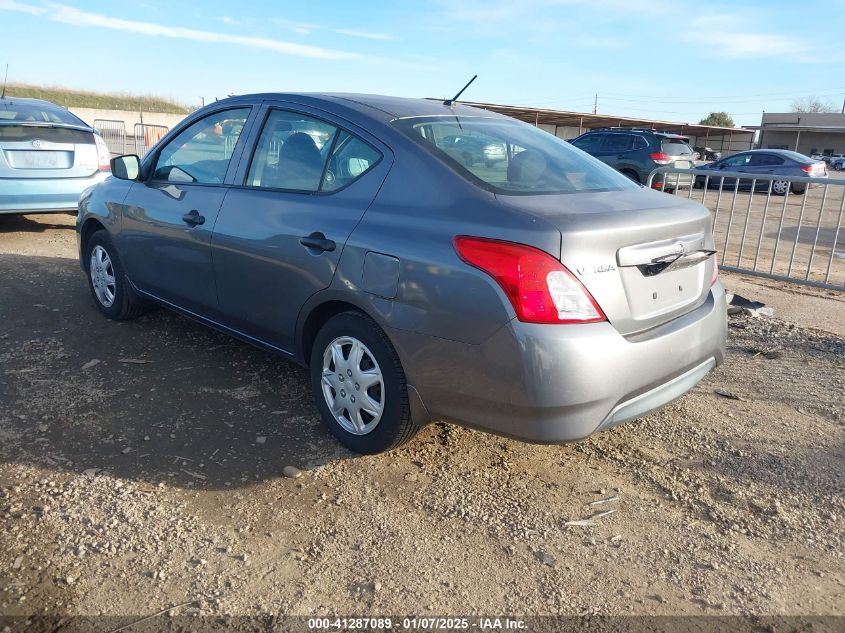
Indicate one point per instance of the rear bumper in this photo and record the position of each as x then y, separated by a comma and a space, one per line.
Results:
554, 384
44, 195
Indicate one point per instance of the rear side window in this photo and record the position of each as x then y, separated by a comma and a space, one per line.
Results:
766, 160
675, 148
351, 158
617, 143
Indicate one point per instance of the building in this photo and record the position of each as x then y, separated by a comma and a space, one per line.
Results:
567, 125
804, 132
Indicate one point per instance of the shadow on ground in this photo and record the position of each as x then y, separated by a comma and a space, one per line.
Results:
160, 398
29, 224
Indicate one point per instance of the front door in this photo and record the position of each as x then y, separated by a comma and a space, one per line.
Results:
168, 218
280, 232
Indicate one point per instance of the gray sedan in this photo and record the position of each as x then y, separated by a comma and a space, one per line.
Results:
777, 162
544, 296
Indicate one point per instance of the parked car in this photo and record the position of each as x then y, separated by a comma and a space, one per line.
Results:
837, 162
547, 300
471, 150
706, 153
48, 157
637, 152
780, 162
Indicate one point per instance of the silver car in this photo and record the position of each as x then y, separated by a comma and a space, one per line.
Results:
48, 157
546, 300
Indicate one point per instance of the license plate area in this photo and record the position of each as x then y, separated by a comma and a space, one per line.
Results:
39, 159
668, 291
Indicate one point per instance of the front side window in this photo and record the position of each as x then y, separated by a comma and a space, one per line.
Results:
589, 143
739, 160
202, 151
291, 152
510, 157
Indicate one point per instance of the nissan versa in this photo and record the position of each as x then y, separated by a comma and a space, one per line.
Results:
544, 296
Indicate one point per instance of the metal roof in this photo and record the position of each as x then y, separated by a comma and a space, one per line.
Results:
787, 127
591, 121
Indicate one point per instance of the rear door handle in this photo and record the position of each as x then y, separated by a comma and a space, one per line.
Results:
193, 218
318, 242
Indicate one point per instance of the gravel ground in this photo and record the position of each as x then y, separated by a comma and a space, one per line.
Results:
141, 466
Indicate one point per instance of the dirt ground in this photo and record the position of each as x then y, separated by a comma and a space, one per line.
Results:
141, 468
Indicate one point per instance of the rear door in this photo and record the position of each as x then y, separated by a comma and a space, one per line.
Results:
614, 148
281, 230
168, 218
765, 164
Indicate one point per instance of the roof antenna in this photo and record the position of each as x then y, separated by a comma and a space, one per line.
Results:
3, 94
449, 102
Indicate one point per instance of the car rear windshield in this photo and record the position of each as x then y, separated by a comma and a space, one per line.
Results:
675, 147
510, 157
12, 111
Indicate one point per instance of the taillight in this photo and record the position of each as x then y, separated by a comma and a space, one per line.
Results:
103, 153
539, 287
807, 169
660, 158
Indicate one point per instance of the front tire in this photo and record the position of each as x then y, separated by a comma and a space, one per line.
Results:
107, 280
359, 385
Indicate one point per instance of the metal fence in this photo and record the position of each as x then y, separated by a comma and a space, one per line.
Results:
796, 236
148, 135
113, 133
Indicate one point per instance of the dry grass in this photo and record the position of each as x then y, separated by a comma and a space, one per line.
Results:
69, 97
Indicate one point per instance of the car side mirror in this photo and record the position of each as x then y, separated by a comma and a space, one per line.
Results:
126, 167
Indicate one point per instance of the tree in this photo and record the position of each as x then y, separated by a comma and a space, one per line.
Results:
722, 119
812, 104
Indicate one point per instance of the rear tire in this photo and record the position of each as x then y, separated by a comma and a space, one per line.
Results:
350, 350
107, 280
798, 190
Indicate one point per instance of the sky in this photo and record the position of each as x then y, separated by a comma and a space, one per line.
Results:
673, 60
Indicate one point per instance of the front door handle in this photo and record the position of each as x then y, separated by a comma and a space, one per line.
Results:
318, 242
193, 218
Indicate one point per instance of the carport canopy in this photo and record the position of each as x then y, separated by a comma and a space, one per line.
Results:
729, 139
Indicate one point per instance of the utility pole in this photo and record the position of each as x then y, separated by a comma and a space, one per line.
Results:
843, 106
596, 104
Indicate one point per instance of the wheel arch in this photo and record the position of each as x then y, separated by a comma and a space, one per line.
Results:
314, 316
89, 227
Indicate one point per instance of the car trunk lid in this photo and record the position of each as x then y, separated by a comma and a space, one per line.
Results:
45, 150
644, 256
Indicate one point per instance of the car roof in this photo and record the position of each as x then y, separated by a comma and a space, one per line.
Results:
785, 153
636, 130
11, 99
379, 106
